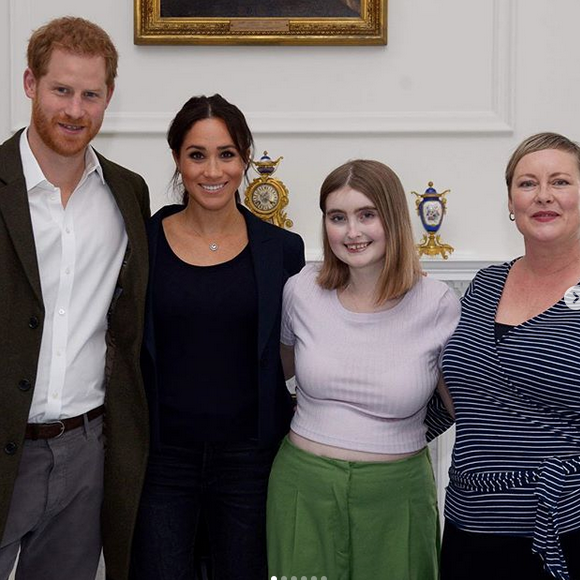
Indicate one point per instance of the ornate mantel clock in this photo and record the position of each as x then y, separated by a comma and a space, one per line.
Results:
267, 196
431, 207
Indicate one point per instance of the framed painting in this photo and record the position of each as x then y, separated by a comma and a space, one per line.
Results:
260, 22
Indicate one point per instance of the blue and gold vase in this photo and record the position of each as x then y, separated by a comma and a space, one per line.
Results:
431, 207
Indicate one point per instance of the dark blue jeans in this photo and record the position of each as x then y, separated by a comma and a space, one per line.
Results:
229, 482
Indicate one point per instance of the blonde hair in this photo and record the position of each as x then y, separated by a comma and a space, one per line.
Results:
74, 35
539, 142
401, 269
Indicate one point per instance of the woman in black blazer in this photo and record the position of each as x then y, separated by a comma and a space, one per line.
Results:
217, 397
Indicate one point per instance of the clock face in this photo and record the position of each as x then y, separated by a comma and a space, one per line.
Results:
265, 197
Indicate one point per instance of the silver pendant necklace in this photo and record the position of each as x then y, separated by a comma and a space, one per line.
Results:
213, 246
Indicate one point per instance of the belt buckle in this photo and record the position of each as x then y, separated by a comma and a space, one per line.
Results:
62, 428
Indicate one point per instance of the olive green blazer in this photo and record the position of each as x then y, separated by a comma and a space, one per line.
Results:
21, 324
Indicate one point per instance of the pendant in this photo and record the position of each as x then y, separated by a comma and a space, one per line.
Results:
213, 247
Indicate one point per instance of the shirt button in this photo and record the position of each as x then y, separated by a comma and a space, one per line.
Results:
61, 311
10, 448
33, 322
24, 385
55, 395
67, 230
67, 271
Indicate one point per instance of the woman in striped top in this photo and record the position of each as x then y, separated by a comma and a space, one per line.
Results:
513, 370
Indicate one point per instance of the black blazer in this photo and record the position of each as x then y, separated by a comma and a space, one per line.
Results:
277, 254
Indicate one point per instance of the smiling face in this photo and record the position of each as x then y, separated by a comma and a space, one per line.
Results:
210, 165
68, 103
545, 197
354, 230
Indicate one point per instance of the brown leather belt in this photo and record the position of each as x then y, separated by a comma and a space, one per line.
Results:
57, 428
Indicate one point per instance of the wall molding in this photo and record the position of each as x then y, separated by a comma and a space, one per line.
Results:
497, 120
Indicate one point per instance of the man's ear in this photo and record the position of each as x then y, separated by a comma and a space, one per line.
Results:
110, 91
29, 81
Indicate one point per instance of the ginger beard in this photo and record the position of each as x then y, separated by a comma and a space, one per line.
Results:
54, 138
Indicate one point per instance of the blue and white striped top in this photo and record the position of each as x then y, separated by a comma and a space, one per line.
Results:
516, 461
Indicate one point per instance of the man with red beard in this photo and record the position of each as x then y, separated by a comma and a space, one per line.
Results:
73, 272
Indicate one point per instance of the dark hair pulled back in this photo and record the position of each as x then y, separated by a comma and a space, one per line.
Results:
215, 107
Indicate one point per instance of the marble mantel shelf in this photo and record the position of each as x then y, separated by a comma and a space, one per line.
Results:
459, 267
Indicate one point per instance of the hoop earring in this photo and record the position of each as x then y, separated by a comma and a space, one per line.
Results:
512, 216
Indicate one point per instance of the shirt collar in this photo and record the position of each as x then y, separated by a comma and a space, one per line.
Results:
92, 164
33, 173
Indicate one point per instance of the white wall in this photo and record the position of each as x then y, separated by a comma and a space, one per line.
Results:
458, 86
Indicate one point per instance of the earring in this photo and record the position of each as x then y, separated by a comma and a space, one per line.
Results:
512, 216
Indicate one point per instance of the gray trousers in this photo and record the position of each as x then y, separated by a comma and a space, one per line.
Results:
54, 516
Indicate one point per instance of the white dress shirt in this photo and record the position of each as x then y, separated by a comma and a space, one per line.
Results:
80, 250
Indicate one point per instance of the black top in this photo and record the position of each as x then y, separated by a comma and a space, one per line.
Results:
206, 321
276, 254
500, 330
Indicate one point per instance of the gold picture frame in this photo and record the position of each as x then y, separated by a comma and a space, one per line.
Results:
288, 22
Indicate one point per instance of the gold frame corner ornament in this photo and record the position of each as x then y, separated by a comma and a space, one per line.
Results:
369, 29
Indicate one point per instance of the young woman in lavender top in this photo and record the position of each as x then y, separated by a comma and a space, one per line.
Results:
352, 494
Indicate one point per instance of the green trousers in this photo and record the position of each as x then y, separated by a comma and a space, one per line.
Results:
342, 520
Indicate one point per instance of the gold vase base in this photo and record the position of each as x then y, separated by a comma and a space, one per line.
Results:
431, 246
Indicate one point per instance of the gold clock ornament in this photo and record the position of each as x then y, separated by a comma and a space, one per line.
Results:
267, 196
